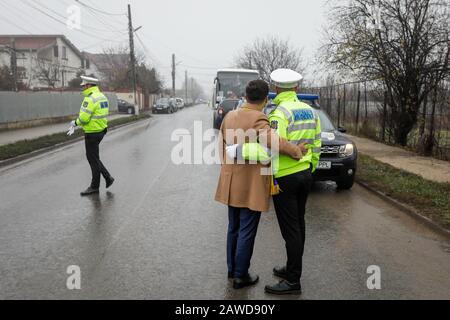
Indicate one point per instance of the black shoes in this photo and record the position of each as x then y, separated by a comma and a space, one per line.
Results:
284, 287
280, 273
89, 191
247, 281
109, 182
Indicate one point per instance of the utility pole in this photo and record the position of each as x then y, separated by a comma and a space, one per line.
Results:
173, 75
132, 58
186, 86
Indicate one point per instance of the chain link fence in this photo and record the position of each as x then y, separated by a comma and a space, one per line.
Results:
362, 108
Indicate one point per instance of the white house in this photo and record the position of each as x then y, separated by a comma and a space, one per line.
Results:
43, 60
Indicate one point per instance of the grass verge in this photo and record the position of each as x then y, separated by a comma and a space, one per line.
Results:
431, 199
26, 146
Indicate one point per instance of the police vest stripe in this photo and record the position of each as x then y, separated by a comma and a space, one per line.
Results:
100, 117
302, 126
86, 110
286, 113
95, 100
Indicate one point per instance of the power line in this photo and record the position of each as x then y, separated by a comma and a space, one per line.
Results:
179, 52
100, 11
17, 26
100, 19
151, 56
63, 17
19, 13
61, 22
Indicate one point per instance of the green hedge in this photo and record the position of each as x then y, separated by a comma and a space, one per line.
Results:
26, 146
429, 198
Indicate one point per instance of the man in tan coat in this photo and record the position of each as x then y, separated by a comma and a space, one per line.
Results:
244, 187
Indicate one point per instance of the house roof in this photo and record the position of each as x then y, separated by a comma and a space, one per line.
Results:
36, 42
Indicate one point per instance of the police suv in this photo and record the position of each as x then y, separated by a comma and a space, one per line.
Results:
338, 159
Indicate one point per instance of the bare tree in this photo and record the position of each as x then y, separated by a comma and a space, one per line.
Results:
114, 65
47, 71
268, 54
402, 43
149, 79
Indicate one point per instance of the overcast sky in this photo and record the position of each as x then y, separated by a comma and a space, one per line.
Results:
205, 35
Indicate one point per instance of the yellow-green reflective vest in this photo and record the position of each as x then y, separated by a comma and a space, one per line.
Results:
94, 111
296, 122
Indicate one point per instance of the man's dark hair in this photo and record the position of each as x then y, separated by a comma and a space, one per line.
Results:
257, 91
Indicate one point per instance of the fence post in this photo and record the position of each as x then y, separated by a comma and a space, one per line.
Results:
383, 132
330, 92
339, 109
365, 99
358, 103
343, 105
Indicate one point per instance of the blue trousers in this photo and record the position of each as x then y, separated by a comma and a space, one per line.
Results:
242, 229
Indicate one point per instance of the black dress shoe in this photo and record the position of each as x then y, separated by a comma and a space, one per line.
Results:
247, 281
109, 182
284, 287
89, 191
280, 273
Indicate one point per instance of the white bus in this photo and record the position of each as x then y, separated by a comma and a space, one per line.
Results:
231, 83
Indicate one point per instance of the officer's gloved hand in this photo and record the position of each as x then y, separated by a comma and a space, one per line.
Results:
232, 151
72, 128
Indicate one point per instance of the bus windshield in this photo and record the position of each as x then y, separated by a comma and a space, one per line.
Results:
231, 85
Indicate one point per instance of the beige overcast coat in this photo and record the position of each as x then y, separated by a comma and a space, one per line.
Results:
243, 185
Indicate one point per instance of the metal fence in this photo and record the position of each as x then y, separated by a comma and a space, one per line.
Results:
362, 108
26, 106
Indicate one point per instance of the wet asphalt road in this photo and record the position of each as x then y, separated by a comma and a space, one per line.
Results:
158, 234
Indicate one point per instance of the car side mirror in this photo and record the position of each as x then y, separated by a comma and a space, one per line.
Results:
342, 130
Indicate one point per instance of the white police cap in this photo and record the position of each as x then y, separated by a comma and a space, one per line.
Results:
88, 80
286, 78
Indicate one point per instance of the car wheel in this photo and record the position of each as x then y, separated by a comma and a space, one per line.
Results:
346, 184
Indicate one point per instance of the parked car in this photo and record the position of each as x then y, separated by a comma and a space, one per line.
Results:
125, 107
164, 105
222, 109
180, 103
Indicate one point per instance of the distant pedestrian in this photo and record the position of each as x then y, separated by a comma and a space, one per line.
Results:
93, 119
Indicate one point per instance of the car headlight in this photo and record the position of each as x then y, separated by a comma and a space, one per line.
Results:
346, 150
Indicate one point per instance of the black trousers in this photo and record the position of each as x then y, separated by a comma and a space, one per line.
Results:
290, 209
92, 143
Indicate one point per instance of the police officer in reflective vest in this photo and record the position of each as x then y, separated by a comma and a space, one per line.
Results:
298, 123
93, 119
